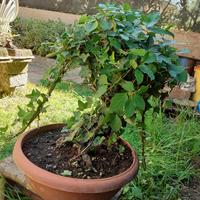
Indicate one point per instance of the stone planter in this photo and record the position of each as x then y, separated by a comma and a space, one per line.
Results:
13, 69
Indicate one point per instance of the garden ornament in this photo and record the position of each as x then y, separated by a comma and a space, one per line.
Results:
8, 13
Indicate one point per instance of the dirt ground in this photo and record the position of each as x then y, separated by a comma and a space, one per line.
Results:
191, 191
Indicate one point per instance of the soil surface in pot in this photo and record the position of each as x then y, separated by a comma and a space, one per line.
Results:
43, 151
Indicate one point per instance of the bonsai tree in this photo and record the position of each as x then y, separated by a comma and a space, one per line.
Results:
125, 60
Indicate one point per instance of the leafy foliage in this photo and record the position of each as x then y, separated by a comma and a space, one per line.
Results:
35, 34
124, 60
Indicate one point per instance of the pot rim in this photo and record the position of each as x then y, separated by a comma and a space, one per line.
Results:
69, 184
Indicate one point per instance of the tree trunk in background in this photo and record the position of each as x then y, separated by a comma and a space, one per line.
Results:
189, 15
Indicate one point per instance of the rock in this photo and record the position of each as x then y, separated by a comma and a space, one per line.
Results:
189, 85
9, 170
178, 93
187, 103
87, 160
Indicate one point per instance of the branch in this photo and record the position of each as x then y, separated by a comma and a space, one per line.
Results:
45, 100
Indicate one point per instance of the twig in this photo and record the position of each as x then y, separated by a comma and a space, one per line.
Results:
45, 100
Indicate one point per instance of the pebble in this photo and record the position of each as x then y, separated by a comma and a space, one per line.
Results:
48, 166
29, 154
54, 167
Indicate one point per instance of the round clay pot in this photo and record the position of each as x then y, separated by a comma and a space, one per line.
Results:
50, 186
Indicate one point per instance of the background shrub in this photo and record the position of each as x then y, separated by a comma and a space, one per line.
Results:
35, 34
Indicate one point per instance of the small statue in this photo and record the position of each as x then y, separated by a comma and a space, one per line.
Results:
8, 13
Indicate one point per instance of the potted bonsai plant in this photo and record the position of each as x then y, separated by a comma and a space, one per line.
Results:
125, 61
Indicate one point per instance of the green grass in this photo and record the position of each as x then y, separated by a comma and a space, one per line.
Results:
171, 144
60, 108
13, 193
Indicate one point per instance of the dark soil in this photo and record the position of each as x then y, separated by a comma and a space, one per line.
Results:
42, 150
191, 190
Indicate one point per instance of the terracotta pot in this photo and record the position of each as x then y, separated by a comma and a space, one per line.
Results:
50, 186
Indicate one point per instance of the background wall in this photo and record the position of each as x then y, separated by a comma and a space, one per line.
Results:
67, 6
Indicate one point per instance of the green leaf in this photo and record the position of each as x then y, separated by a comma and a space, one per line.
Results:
105, 24
139, 76
104, 119
66, 173
182, 77
82, 106
151, 19
161, 31
83, 19
135, 102
116, 123
3, 129
118, 102
112, 58
121, 149
103, 80
114, 42
70, 135
127, 85
174, 70
153, 101
84, 56
112, 139
85, 72
138, 52
126, 7
143, 89
73, 131
124, 37
133, 64
91, 26
88, 136
101, 90
98, 141
147, 70
183, 51
138, 116
149, 58
130, 108
139, 102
